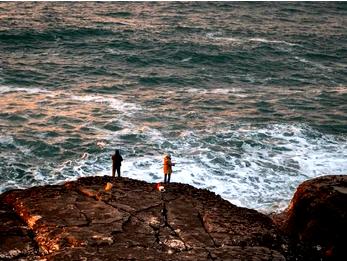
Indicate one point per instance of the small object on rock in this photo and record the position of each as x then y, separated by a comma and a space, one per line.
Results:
159, 187
102, 240
319, 248
108, 186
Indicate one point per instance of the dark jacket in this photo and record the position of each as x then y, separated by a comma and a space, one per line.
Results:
117, 159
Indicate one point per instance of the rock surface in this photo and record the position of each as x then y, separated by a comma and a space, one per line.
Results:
133, 221
317, 216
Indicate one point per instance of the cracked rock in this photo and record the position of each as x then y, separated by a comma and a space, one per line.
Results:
134, 221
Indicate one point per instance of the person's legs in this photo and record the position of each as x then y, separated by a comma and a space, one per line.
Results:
165, 176
169, 176
118, 171
113, 170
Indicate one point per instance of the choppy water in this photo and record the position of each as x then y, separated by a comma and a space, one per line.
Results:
249, 98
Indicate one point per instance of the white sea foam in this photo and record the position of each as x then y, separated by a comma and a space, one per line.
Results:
265, 177
221, 91
261, 175
231, 39
238, 40
186, 59
116, 102
7, 89
213, 34
315, 64
6, 139
236, 92
215, 91
263, 40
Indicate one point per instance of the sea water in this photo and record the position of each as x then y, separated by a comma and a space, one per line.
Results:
250, 99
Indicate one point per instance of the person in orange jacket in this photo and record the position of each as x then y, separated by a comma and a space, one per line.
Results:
167, 168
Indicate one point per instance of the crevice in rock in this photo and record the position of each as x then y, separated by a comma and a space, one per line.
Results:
22, 230
124, 223
134, 215
209, 255
164, 216
86, 218
208, 233
156, 235
32, 236
165, 223
128, 220
147, 208
130, 213
98, 250
168, 200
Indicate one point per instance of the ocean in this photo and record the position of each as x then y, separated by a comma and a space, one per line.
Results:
249, 98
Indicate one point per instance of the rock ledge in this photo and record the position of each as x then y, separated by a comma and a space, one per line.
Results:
133, 221
79, 220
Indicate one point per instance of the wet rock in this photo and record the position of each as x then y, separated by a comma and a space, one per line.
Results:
15, 237
317, 217
185, 221
134, 221
245, 253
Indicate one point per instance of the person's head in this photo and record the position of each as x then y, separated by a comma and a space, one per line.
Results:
116, 152
167, 156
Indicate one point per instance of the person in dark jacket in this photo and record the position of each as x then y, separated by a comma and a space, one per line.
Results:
116, 163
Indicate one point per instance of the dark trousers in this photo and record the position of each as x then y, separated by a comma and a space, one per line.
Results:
114, 170
167, 177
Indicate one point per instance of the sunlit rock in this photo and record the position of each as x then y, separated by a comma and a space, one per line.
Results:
133, 220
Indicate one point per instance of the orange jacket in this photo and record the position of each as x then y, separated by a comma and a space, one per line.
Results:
167, 166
